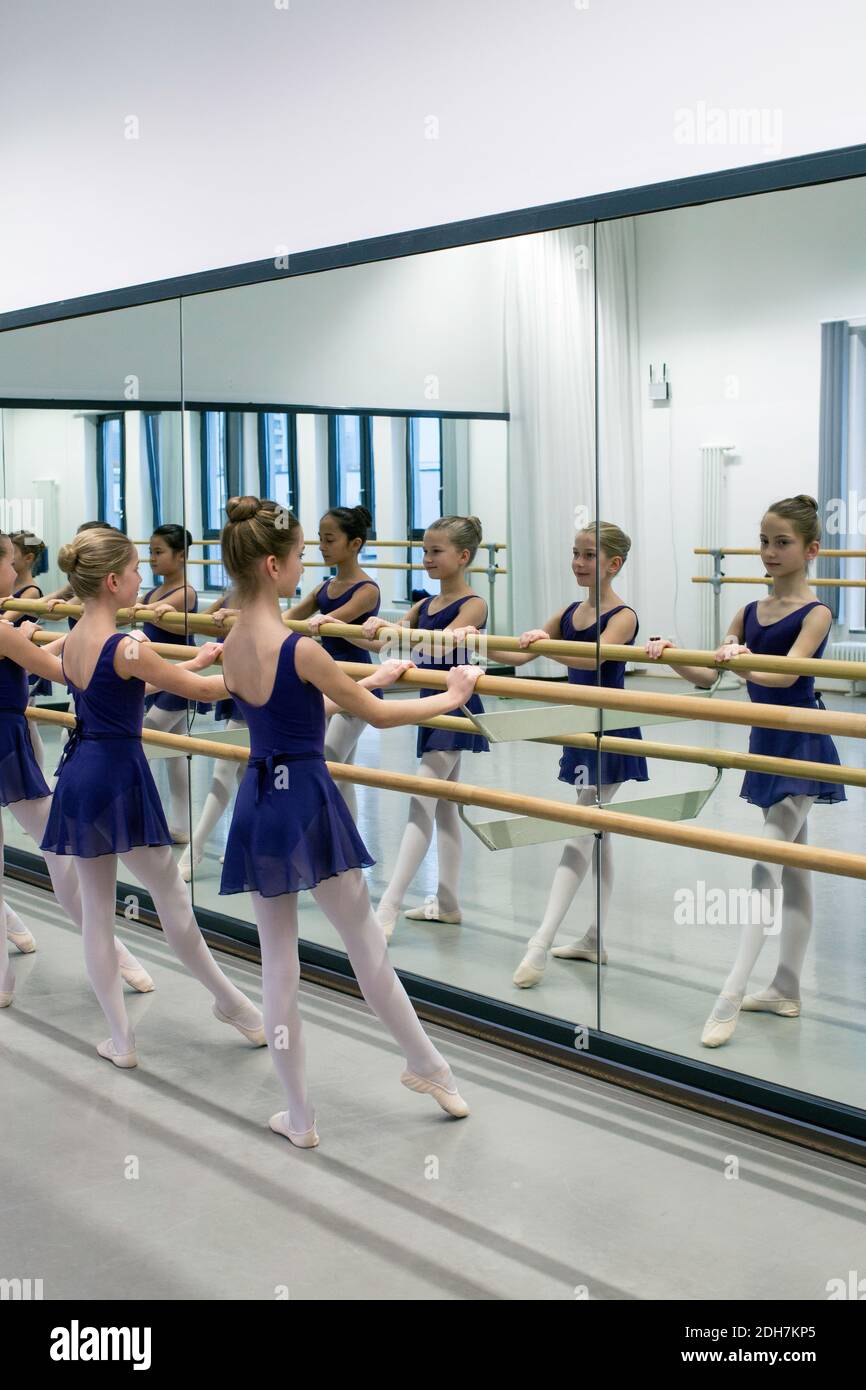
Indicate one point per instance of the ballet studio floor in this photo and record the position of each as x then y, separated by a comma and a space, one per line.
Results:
166, 1183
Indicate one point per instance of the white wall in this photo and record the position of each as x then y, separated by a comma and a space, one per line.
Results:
732, 296
306, 123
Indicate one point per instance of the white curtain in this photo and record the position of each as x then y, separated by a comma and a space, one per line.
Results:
550, 365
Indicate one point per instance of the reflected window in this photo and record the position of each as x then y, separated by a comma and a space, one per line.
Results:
151, 449
221, 469
278, 458
350, 463
423, 486
111, 470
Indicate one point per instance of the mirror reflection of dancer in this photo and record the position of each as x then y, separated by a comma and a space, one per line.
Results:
105, 805
790, 623
25, 792
580, 622
450, 544
351, 596
26, 552
291, 830
227, 775
166, 711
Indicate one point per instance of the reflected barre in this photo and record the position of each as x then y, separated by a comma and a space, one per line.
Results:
754, 847
204, 625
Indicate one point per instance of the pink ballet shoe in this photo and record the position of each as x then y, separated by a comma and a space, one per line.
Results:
302, 1139
138, 980
431, 912
5, 999
24, 940
759, 1003
451, 1101
120, 1059
253, 1035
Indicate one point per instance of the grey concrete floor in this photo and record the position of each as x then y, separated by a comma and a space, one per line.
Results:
165, 1182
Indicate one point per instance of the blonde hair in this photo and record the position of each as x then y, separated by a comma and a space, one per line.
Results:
802, 512
464, 532
255, 528
27, 543
91, 556
611, 539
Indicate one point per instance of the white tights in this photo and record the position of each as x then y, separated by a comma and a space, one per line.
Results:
155, 867
345, 902
224, 783
173, 721
576, 859
424, 812
32, 817
786, 820
341, 740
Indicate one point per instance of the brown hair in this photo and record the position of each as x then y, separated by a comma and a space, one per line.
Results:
464, 532
27, 543
91, 556
611, 538
255, 528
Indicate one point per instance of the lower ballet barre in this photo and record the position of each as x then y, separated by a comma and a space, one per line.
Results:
595, 819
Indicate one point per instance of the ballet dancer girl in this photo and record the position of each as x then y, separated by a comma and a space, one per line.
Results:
581, 621
105, 805
167, 711
25, 792
291, 830
351, 596
26, 552
449, 547
792, 622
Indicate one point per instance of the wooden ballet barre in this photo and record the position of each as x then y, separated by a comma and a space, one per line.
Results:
204, 625
373, 564
745, 550
817, 582
370, 544
830, 861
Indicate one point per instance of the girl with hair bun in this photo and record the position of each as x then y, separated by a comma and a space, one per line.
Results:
291, 830
600, 616
351, 596
166, 711
24, 790
27, 552
449, 547
105, 805
792, 622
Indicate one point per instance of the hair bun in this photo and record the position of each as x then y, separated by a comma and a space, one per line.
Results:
476, 521
807, 500
364, 515
67, 558
242, 508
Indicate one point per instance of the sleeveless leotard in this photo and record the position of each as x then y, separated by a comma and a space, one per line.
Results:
581, 762
39, 685
761, 788
105, 800
20, 774
442, 740
340, 648
290, 826
164, 699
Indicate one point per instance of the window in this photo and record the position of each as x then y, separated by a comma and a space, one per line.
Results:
220, 436
151, 447
423, 486
278, 458
111, 470
350, 463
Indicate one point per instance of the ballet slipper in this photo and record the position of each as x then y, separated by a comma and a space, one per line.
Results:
187, 862
120, 1059
717, 1031
138, 979
302, 1139
180, 837
526, 975
451, 1101
763, 1004
575, 950
431, 912
254, 1035
387, 919
24, 940
5, 999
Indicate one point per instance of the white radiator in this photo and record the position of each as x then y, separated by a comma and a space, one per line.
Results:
844, 651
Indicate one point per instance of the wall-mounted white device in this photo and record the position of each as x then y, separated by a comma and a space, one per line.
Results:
659, 387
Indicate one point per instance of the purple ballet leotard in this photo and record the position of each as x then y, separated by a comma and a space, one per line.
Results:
442, 740
340, 648
762, 788
20, 774
580, 763
164, 699
290, 827
105, 800
39, 685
